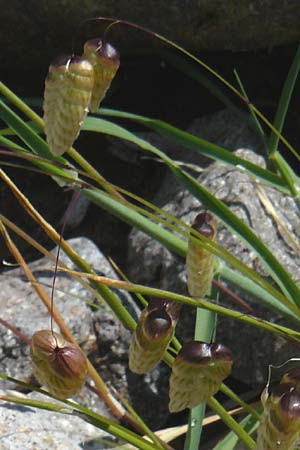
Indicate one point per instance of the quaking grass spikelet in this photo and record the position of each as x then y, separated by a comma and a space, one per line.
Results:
105, 61
280, 423
58, 364
199, 262
68, 91
152, 336
197, 374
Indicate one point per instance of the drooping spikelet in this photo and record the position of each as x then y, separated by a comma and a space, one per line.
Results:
105, 61
68, 91
280, 424
199, 262
58, 364
197, 374
152, 336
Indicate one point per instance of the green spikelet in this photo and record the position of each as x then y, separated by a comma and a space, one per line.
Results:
197, 374
105, 61
280, 424
68, 91
199, 262
58, 364
152, 336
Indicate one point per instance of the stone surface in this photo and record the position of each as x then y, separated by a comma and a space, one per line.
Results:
25, 428
35, 32
100, 334
160, 268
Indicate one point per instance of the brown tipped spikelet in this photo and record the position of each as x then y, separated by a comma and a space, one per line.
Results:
197, 374
280, 424
105, 61
68, 91
152, 336
58, 364
199, 262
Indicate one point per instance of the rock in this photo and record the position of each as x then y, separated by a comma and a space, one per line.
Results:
200, 25
160, 268
224, 128
103, 338
22, 427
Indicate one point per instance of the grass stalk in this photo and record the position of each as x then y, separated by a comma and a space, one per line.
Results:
231, 423
280, 330
205, 325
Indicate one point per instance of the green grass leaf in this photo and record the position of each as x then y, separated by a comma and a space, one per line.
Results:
249, 425
284, 101
24, 131
202, 147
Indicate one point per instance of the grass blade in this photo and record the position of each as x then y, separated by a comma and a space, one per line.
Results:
24, 131
284, 102
197, 145
237, 226
249, 425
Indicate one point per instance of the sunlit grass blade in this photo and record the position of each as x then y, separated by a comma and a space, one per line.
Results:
34, 142
239, 431
286, 332
249, 286
284, 102
210, 202
8, 143
287, 173
195, 144
226, 272
65, 176
112, 128
24, 131
249, 425
255, 120
10, 132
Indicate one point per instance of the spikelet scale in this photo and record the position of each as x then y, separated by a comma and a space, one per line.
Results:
57, 364
199, 262
280, 424
105, 61
197, 374
152, 336
68, 90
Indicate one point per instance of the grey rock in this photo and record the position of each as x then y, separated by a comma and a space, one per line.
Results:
225, 128
160, 268
197, 24
25, 428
